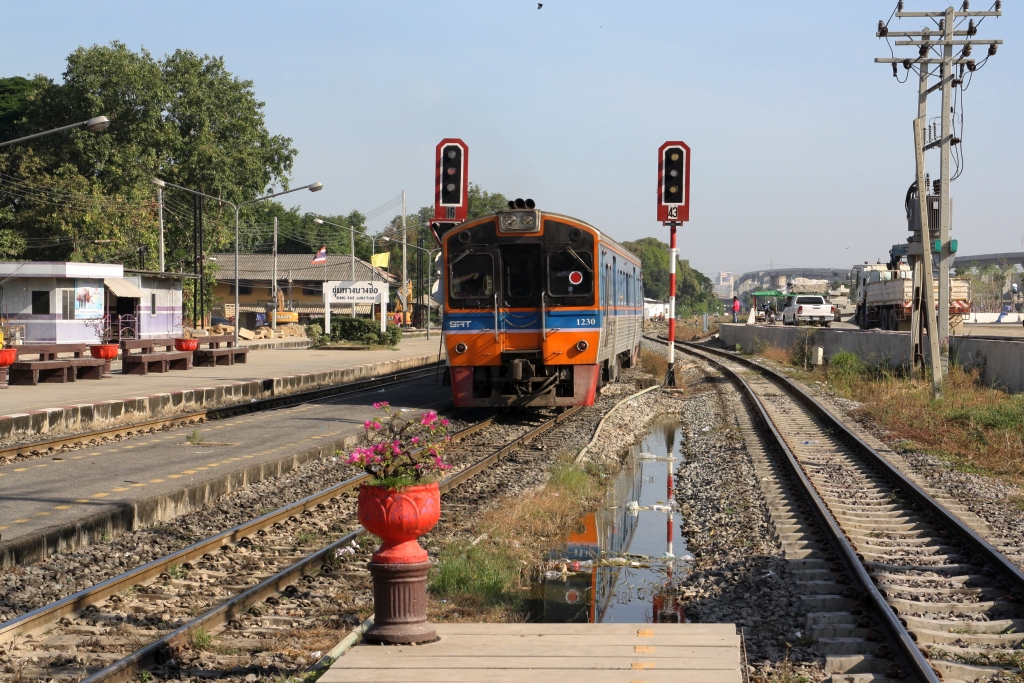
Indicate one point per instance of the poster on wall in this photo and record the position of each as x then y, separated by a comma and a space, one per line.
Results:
88, 299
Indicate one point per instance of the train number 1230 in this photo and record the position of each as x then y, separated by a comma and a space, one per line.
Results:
586, 322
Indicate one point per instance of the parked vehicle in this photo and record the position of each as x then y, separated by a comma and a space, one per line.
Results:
885, 297
809, 309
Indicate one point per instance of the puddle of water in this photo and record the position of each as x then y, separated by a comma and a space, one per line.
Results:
626, 558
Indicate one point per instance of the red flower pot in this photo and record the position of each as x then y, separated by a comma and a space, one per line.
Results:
399, 517
104, 351
186, 344
8, 356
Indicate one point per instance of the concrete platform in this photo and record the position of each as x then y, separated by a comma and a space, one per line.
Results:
34, 411
57, 503
549, 653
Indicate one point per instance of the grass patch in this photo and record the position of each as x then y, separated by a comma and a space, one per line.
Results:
653, 363
195, 438
489, 581
977, 429
307, 537
199, 638
486, 575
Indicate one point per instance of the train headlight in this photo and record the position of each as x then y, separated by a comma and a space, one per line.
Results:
582, 346
529, 220
509, 221
460, 348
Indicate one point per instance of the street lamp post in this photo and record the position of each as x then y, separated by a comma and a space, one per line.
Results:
430, 261
94, 125
352, 260
312, 187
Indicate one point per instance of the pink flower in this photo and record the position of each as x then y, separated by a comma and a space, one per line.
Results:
376, 425
445, 422
415, 440
381, 404
367, 424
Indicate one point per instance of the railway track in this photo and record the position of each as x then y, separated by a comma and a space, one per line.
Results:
280, 576
45, 447
894, 583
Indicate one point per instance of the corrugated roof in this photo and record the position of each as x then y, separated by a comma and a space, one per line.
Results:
260, 266
123, 288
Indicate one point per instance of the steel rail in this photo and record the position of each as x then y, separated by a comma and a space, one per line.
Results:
897, 631
943, 514
48, 615
124, 670
82, 438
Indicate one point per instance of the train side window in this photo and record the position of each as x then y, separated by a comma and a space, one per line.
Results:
570, 273
472, 277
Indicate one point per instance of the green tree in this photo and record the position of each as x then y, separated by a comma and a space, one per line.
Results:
694, 291
482, 202
183, 118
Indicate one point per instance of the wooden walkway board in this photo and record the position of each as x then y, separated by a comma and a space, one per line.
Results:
547, 653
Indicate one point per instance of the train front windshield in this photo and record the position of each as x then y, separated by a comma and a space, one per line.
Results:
570, 273
472, 277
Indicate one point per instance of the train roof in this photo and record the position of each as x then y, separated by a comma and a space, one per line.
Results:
603, 236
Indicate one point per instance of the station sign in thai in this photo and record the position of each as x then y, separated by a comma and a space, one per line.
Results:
357, 292
365, 292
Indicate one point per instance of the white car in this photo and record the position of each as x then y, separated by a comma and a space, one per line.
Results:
808, 308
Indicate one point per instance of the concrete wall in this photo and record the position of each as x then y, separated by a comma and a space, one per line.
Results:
166, 320
1001, 362
127, 411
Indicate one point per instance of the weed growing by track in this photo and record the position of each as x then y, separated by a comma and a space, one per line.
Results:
488, 580
977, 428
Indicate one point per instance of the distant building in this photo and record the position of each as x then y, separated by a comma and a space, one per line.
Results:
655, 309
723, 285
300, 282
64, 302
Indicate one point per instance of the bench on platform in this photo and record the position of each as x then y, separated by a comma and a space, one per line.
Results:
52, 366
141, 357
220, 350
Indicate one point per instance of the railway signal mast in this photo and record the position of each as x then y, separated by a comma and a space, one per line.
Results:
451, 186
951, 52
673, 209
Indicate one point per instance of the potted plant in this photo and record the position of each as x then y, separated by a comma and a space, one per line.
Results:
8, 355
401, 503
104, 350
186, 342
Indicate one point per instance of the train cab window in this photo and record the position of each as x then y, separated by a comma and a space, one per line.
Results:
520, 270
570, 273
473, 277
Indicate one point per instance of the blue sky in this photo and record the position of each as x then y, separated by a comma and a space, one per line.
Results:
801, 145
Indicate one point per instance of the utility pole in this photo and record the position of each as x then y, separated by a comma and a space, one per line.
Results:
405, 274
952, 34
915, 260
160, 213
352, 264
273, 286
926, 259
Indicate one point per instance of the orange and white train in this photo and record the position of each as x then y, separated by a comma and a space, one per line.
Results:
539, 308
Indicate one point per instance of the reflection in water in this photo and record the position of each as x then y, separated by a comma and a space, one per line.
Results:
625, 559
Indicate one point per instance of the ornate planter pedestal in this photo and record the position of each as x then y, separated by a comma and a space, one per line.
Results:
107, 352
400, 566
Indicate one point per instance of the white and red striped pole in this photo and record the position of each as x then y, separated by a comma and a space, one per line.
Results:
670, 376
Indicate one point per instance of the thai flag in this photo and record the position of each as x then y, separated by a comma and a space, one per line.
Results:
321, 256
